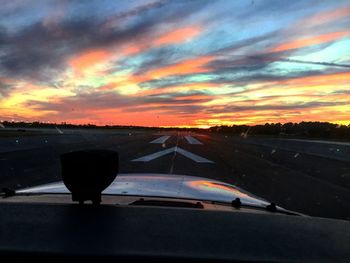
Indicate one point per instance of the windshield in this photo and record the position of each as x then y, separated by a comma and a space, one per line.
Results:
254, 94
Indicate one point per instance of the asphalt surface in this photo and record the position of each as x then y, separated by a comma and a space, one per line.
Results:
311, 177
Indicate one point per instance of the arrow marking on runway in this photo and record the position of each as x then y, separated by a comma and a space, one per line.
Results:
161, 140
192, 156
192, 140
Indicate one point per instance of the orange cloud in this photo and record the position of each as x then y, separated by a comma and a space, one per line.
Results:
92, 57
299, 43
328, 16
178, 36
108, 86
132, 49
88, 59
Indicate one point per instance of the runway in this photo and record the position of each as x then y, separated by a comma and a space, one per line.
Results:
311, 177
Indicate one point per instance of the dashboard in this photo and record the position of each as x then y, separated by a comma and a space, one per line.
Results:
43, 231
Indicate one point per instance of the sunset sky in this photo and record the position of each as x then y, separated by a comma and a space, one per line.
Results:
175, 63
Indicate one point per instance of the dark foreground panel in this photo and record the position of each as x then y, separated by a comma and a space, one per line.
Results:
167, 234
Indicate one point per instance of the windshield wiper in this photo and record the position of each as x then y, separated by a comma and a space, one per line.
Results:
168, 203
271, 207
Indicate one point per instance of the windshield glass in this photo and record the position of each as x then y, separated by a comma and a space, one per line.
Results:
254, 94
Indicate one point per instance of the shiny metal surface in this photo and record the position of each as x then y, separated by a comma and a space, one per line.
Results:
164, 185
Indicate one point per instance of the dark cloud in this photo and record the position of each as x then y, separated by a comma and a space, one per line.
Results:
83, 102
160, 57
270, 57
272, 8
35, 49
236, 76
315, 63
4, 89
345, 92
136, 11
196, 108
270, 77
227, 65
276, 77
39, 52
153, 58
268, 107
247, 42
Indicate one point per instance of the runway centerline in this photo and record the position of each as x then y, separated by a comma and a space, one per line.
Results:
192, 140
160, 140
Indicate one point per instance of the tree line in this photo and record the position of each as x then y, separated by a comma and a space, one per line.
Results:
63, 125
302, 129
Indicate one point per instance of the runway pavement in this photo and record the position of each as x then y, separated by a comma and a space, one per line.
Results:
311, 177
